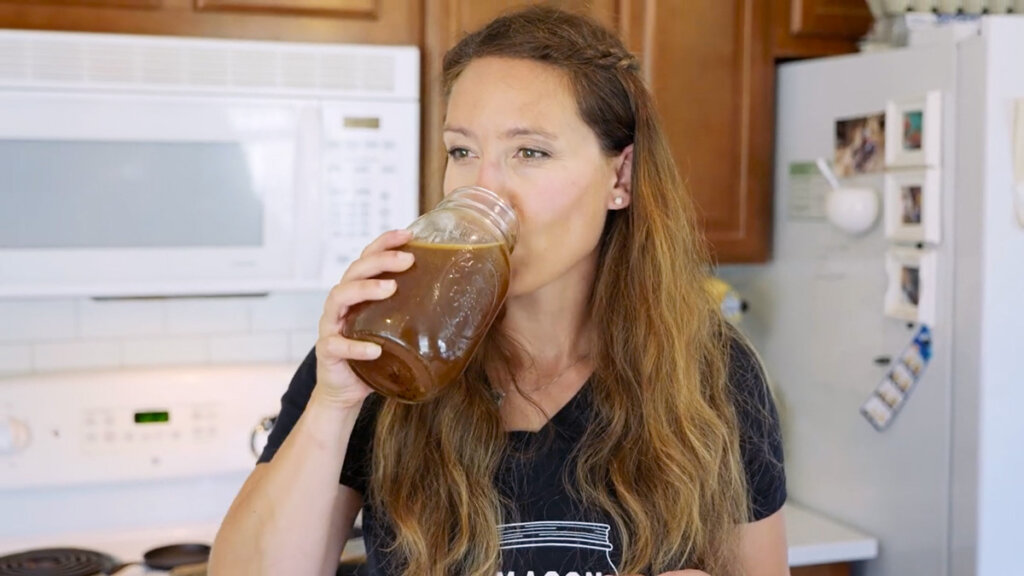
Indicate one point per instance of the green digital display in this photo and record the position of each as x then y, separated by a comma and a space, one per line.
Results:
152, 417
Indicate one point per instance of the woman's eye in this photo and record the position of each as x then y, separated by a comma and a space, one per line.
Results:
532, 154
457, 153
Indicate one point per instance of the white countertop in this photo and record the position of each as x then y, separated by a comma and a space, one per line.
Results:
815, 539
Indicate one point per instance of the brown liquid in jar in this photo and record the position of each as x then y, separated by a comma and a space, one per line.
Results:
430, 327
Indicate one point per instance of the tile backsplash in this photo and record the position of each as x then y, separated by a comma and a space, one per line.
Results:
48, 335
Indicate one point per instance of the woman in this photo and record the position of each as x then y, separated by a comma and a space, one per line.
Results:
610, 423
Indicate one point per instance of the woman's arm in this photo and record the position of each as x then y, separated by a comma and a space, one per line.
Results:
763, 548
291, 515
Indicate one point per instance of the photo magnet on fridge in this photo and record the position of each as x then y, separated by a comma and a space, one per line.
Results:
913, 131
912, 206
859, 145
912, 278
892, 393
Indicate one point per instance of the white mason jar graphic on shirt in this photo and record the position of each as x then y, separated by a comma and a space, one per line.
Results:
586, 541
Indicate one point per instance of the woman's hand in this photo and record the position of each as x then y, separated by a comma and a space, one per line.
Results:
335, 380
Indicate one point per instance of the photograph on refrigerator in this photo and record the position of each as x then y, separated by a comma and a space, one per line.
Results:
910, 294
859, 145
913, 131
910, 284
912, 206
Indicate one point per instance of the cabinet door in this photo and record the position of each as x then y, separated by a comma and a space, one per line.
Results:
809, 28
110, 3
340, 8
709, 64
446, 21
847, 19
356, 21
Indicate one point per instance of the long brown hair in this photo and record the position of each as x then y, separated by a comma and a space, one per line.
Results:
661, 455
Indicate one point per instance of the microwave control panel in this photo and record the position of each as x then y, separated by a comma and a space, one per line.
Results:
370, 176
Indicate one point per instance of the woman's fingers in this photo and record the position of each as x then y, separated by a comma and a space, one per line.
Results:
339, 348
378, 263
386, 241
359, 283
347, 294
335, 380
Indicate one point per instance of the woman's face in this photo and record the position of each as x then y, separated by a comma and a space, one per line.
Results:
513, 127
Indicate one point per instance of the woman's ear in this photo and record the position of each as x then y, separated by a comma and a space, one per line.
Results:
623, 187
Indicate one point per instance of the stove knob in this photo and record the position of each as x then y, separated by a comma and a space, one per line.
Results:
14, 435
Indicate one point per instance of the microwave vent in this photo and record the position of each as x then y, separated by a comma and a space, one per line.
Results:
159, 63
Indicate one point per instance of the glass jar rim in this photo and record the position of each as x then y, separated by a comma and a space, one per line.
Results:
500, 213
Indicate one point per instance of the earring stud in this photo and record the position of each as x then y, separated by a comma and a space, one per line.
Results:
618, 201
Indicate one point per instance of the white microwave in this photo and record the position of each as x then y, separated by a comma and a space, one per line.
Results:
148, 166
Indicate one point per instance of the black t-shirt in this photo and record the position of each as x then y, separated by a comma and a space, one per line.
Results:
551, 531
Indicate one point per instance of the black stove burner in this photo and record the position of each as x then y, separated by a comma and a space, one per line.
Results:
56, 562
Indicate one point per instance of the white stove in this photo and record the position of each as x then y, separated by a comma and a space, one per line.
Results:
127, 461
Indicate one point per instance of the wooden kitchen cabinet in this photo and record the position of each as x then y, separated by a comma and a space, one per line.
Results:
355, 21
335, 8
710, 68
809, 28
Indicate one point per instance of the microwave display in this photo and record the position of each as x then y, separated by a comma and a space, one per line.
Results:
356, 122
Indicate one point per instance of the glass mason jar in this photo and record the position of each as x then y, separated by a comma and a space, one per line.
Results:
445, 303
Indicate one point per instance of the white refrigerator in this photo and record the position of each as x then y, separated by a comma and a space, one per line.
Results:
941, 484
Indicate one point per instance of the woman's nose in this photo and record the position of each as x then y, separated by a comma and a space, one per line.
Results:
490, 174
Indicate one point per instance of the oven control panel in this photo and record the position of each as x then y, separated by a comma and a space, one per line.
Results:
126, 427
64, 429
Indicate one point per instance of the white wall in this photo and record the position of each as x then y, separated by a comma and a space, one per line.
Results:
46, 335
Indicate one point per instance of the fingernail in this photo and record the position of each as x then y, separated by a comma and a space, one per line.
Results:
405, 256
387, 285
371, 350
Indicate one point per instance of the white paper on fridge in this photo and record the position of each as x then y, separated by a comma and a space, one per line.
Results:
806, 193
